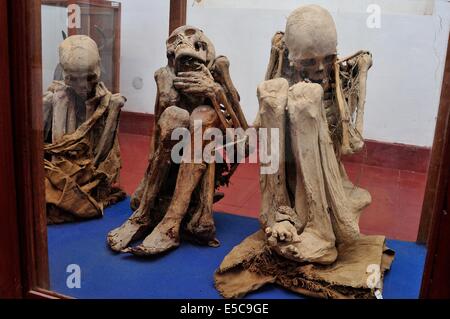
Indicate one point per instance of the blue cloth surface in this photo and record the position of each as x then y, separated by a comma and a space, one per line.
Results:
186, 272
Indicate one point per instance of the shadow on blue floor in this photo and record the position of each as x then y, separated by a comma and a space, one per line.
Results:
183, 273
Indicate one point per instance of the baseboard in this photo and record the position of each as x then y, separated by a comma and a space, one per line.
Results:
393, 155
376, 153
137, 123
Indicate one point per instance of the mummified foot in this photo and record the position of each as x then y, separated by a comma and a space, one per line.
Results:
306, 247
131, 230
164, 237
309, 247
202, 231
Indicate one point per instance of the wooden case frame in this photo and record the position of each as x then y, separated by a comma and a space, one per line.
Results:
23, 237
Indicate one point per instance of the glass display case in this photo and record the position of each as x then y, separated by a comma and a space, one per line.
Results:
100, 21
101, 90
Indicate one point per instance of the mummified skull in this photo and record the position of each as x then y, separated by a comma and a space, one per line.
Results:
187, 47
311, 39
80, 61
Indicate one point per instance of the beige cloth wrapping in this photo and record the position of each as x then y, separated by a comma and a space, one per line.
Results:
251, 265
74, 188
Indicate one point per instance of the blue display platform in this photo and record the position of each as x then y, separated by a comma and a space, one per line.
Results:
186, 272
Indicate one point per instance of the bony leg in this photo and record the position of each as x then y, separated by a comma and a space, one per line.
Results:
201, 225
272, 96
119, 238
166, 235
317, 241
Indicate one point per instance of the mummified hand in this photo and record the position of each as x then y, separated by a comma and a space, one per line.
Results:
199, 83
283, 231
364, 61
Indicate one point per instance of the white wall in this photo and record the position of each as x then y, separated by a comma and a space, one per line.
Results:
409, 54
403, 86
145, 28
54, 21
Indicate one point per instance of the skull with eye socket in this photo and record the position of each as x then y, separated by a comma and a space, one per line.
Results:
80, 61
188, 48
311, 40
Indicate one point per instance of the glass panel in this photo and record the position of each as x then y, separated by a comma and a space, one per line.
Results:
408, 43
54, 23
113, 98
99, 23
90, 167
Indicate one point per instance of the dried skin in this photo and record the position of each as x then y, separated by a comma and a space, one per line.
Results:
77, 187
82, 157
325, 206
135, 227
197, 83
311, 242
272, 96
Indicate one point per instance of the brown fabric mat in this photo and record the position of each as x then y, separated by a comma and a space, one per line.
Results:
74, 188
251, 265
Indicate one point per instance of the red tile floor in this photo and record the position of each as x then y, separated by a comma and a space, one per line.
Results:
397, 195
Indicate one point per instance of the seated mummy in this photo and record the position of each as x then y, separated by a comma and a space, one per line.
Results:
310, 206
174, 200
312, 106
82, 155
